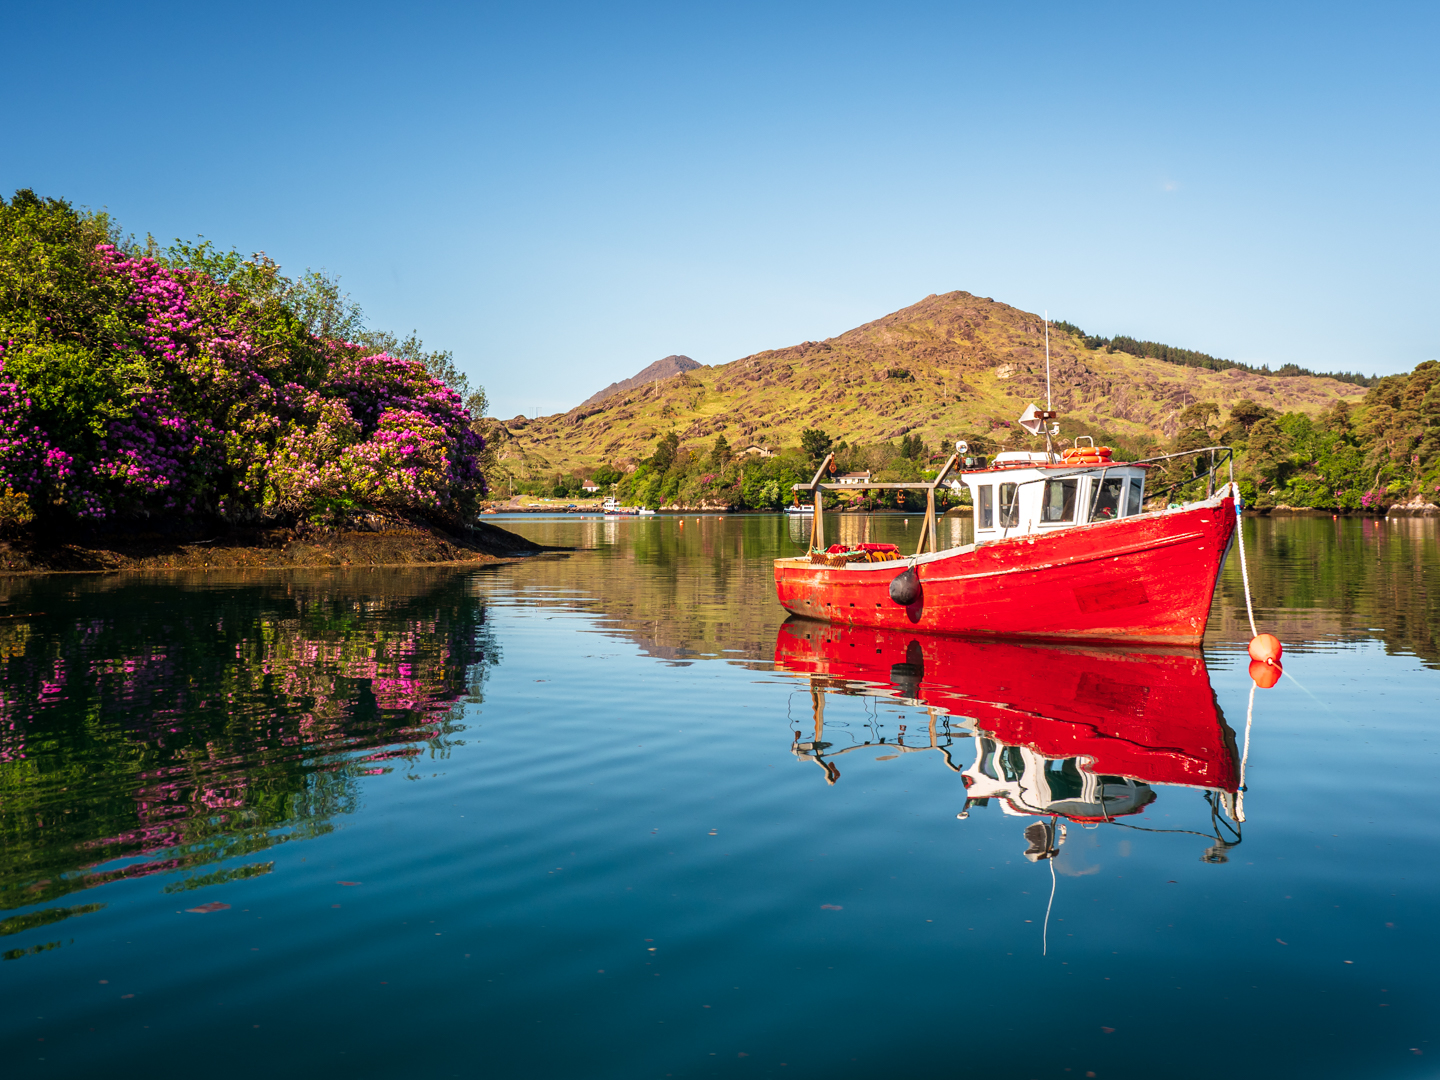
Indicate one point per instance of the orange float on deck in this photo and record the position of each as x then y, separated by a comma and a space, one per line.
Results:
1086, 455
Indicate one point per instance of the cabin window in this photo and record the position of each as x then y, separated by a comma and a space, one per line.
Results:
1009, 505
985, 509
1137, 496
1012, 763
1064, 779
1059, 502
1108, 499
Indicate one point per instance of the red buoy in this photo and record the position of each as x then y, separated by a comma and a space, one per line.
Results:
1266, 648
1265, 674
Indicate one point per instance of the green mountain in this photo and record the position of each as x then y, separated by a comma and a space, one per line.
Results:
949, 366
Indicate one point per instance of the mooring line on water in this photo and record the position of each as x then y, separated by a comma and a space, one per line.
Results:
1245, 757
1308, 692
1045, 932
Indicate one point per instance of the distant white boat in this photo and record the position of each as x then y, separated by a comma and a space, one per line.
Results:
808, 508
613, 509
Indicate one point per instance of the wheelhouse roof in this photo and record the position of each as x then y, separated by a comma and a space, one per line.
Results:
1071, 466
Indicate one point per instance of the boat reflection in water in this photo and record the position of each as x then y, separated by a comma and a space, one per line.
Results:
1058, 732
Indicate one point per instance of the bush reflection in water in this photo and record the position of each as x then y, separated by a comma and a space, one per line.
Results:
151, 726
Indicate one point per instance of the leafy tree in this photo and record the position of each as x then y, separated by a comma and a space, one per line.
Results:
1246, 412
665, 451
477, 403
1200, 416
815, 443
1266, 451
1336, 418
720, 454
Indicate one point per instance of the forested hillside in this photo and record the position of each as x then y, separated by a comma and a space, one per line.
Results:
149, 384
893, 394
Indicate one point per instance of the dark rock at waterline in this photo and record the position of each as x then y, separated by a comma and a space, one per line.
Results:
381, 542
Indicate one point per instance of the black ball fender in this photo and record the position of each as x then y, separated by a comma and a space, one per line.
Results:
905, 587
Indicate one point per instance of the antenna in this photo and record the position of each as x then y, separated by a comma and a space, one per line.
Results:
1048, 403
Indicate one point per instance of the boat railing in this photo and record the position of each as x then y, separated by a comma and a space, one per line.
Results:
1226, 457
1219, 456
816, 487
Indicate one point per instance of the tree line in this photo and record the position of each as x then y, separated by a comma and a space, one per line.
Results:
1191, 358
1368, 457
1382, 452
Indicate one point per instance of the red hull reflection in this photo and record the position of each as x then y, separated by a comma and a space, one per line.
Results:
1147, 716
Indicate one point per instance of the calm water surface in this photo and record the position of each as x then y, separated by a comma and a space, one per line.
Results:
608, 815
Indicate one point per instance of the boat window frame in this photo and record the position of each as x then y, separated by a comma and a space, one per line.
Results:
1095, 497
985, 507
1060, 481
1009, 511
1135, 492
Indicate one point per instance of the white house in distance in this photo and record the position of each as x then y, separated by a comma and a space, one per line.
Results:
853, 478
590, 487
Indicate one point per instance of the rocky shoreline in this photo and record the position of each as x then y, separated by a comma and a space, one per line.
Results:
395, 544
1414, 508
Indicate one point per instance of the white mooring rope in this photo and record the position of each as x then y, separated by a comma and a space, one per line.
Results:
1244, 571
1045, 933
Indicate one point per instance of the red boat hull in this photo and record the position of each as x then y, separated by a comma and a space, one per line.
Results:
1146, 579
1148, 715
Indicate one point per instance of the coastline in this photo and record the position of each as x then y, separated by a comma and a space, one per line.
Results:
262, 549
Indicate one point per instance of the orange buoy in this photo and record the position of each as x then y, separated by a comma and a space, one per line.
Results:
1266, 648
1265, 675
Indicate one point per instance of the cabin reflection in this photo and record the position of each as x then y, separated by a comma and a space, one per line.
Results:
1084, 735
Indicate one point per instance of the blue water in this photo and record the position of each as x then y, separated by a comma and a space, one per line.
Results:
554, 819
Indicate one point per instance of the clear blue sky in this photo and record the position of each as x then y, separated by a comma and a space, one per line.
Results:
564, 193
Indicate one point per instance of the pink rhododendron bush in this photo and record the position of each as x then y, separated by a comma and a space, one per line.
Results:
133, 386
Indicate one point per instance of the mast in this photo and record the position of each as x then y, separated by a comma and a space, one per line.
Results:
1049, 406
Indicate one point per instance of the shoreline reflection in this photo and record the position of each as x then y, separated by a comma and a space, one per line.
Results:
189, 725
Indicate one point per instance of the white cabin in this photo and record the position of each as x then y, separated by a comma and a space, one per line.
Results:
1022, 493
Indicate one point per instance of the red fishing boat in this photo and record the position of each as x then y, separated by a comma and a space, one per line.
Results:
1064, 549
